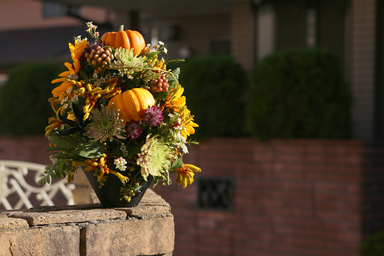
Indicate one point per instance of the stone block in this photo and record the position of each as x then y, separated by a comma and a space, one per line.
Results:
151, 205
12, 223
68, 216
130, 237
147, 229
40, 241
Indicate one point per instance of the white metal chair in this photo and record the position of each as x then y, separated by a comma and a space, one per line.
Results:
13, 183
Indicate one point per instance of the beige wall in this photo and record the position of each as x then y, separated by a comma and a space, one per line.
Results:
362, 66
196, 33
242, 33
26, 14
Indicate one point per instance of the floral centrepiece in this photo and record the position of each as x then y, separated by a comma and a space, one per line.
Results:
119, 111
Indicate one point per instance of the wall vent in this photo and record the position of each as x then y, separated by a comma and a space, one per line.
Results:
215, 194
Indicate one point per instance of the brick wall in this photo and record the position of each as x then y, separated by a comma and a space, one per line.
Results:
28, 148
299, 197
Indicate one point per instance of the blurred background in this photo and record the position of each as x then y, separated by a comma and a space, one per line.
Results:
288, 95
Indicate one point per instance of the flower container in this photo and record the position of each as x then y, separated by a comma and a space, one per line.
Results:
109, 195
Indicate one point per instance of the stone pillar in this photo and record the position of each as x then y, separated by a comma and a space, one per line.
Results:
265, 39
362, 66
242, 33
147, 229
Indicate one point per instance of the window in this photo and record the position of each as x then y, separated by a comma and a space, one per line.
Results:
51, 9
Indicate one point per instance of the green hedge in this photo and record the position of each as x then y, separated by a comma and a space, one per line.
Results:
215, 87
24, 107
373, 245
299, 94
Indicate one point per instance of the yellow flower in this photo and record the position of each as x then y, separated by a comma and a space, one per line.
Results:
58, 91
174, 99
73, 69
76, 52
93, 164
187, 122
53, 124
184, 174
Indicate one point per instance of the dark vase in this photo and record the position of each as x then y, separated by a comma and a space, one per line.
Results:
109, 195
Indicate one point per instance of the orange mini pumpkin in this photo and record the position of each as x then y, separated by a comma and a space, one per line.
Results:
127, 39
132, 103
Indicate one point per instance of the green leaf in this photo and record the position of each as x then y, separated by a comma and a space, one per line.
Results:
51, 172
67, 156
47, 149
44, 180
177, 164
151, 55
61, 168
90, 150
62, 141
156, 180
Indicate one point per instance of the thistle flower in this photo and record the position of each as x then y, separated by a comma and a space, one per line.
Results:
153, 116
133, 129
154, 157
106, 124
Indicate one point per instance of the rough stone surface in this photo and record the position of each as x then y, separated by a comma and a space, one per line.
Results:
68, 216
131, 237
151, 205
40, 241
13, 223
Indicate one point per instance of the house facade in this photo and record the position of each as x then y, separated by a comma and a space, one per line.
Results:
247, 29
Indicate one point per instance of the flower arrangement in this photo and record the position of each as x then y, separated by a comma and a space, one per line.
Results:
119, 111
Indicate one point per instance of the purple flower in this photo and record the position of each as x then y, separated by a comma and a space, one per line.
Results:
153, 116
133, 129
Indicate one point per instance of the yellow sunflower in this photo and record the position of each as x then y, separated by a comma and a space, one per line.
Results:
76, 52
73, 69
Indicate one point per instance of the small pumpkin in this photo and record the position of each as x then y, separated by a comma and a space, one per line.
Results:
132, 103
127, 39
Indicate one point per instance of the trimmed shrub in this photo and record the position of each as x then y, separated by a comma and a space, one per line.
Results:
373, 245
215, 89
299, 94
24, 107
